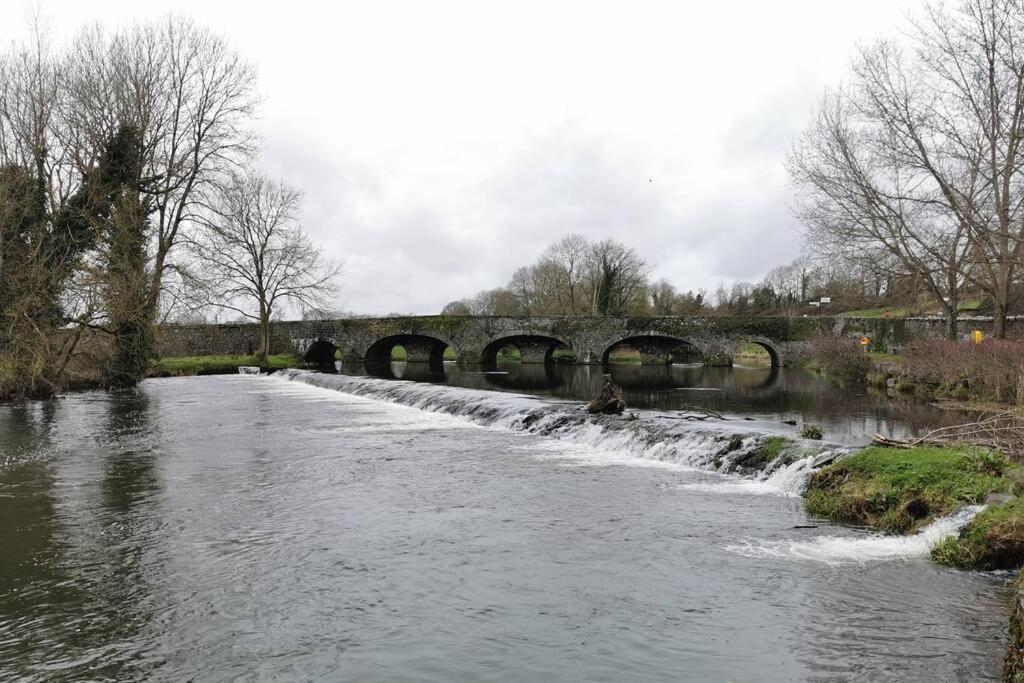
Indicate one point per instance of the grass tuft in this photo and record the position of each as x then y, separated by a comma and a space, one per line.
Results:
898, 490
992, 540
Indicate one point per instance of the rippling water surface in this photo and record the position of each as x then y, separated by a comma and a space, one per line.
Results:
256, 527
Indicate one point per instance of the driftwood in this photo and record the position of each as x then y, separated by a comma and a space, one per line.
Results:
697, 413
1001, 431
700, 413
608, 402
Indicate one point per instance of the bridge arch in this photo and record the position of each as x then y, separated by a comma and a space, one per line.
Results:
655, 348
420, 347
766, 344
532, 347
321, 353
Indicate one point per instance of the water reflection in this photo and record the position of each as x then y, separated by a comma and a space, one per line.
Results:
32, 547
129, 476
73, 560
758, 392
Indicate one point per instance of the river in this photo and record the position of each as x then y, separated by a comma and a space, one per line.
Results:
341, 527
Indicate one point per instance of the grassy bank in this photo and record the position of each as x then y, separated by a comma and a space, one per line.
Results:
179, 366
993, 540
898, 491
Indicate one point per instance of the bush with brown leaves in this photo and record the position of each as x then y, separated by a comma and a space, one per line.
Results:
990, 371
841, 357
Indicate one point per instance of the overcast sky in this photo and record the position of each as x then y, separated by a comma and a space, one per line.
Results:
441, 145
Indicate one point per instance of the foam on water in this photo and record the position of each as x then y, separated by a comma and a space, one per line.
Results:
785, 481
728, 448
858, 549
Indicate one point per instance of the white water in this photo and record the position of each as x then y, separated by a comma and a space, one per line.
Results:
785, 481
832, 549
724, 448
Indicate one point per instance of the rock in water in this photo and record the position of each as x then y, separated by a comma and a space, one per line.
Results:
608, 402
248, 370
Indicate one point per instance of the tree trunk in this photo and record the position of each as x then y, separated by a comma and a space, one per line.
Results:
951, 321
999, 317
263, 350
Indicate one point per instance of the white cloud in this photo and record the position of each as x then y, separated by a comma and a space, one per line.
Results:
441, 145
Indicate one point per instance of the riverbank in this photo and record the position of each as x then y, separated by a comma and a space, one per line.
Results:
184, 366
902, 490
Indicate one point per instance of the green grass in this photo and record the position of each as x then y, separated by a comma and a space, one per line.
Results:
967, 306
992, 540
772, 448
752, 354
175, 366
885, 357
971, 305
899, 490
878, 312
563, 353
624, 357
767, 451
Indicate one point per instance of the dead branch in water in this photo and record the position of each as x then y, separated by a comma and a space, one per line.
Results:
1001, 431
700, 413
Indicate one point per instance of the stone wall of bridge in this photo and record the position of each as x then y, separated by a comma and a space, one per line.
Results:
478, 338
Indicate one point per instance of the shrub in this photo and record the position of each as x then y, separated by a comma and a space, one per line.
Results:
990, 371
811, 432
841, 357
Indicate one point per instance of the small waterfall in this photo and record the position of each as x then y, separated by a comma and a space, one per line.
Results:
778, 464
865, 548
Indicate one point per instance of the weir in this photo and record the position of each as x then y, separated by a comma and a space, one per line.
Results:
719, 448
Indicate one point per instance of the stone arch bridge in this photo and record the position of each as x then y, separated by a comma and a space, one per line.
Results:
478, 339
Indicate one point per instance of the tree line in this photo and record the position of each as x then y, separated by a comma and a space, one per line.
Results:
576, 276
127, 194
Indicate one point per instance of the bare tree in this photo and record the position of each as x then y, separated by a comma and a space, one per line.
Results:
925, 149
567, 258
860, 191
617, 276
191, 97
259, 257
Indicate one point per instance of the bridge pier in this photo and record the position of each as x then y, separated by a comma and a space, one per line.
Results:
588, 357
534, 352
